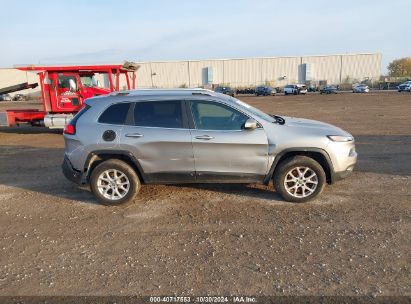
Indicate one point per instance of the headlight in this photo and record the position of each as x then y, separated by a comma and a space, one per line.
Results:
339, 138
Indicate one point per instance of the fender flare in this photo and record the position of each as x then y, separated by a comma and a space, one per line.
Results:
96, 154
302, 150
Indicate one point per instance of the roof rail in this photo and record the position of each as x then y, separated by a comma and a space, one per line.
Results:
147, 92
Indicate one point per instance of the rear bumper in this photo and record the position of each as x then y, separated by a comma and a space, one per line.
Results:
70, 173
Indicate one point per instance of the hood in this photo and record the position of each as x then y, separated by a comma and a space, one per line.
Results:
315, 126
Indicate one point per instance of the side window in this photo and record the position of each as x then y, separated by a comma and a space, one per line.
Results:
162, 114
115, 114
64, 81
213, 116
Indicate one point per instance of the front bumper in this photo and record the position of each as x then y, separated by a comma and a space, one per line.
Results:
336, 176
70, 173
343, 157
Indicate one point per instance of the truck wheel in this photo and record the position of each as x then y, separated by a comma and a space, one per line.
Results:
114, 182
299, 179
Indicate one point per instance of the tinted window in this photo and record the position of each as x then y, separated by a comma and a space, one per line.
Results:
213, 116
163, 114
115, 114
83, 110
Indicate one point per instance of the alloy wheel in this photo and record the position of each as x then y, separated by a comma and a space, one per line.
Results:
301, 182
113, 184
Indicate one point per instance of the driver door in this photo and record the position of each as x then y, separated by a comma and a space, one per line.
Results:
69, 99
223, 150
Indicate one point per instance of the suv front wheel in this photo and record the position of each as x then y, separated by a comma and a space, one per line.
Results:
299, 179
114, 182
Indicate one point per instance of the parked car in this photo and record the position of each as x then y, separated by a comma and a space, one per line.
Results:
19, 97
295, 89
302, 89
264, 91
5, 97
362, 88
312, 88
120, 141
291, 89
405, 87
329, 90
225, 90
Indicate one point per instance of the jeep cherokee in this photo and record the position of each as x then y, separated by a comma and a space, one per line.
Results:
120, 141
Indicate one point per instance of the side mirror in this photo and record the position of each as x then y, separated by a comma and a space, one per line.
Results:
250, 124
73, 86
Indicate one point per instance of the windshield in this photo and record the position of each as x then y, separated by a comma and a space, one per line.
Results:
253, 110
88, 81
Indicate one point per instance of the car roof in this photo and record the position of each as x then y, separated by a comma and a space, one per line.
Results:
157, 94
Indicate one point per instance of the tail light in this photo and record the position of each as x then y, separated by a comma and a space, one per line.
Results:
69, 129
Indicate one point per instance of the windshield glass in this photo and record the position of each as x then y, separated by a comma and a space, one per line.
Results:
88, 81
253, 110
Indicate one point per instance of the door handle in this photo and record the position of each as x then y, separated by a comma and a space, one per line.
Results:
135, 135
204, 137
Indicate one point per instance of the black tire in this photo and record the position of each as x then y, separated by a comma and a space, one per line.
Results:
121, 166
287, 166
285, 93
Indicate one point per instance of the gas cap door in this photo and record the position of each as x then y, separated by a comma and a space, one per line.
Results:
109, 135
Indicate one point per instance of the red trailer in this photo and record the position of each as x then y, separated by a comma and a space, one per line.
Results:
64, 89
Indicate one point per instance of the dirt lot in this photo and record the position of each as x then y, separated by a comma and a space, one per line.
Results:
215, 239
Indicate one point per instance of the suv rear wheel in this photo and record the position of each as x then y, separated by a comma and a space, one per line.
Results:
299, 179
114, 182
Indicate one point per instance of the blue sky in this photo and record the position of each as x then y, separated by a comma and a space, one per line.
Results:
97, 31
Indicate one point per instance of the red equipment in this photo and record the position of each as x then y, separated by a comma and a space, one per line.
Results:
64, 89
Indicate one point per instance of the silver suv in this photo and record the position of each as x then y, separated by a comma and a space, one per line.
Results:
120, 141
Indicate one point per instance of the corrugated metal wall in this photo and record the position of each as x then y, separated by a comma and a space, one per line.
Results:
9, 77
325, 68
277, 71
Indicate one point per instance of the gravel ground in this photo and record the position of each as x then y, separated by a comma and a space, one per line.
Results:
215, 239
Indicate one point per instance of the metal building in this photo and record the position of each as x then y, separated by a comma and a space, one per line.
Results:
277, 71
242, 72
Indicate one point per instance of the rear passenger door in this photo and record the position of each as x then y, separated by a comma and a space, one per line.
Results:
158, 136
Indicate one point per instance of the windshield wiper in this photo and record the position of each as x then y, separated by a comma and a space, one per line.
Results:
278, 119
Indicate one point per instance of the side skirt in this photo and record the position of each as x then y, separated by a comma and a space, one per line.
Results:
202, 177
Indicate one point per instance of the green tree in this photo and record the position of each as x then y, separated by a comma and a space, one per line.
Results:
400, 67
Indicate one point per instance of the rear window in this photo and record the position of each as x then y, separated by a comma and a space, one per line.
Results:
115, 114
162, 114
79, 113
